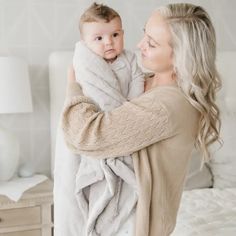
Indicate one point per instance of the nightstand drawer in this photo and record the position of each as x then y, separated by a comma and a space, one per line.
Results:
20, 216
24, 233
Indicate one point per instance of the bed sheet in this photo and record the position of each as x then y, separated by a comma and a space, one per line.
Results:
207, 212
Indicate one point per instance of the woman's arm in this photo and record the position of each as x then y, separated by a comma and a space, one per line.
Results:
122, 131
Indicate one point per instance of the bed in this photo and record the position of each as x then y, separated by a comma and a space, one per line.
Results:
208, 204
207, 212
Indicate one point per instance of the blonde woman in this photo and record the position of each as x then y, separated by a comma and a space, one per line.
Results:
161, 127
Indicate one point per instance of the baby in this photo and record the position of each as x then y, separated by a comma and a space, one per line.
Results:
101, 32
109, 75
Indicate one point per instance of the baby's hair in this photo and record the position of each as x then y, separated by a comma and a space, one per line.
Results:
96, 13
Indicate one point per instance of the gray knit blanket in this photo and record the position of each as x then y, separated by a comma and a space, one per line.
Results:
106, 189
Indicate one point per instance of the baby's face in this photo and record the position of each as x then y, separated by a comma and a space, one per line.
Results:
104, 39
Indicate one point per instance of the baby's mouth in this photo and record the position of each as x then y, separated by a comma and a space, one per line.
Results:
109, 50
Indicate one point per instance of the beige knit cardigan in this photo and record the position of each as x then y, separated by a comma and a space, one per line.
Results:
158, 128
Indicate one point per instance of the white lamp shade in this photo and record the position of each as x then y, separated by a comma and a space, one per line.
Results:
15, 91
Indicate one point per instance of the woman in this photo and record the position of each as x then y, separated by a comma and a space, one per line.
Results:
161, 127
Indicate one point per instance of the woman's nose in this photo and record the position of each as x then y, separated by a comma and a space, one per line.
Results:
141, 44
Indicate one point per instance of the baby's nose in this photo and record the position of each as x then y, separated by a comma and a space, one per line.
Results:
108, 41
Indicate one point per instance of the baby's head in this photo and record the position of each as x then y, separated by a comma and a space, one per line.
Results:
101, 30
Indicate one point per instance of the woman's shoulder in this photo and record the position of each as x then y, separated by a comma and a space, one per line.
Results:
168, 93
173, 100
167, 98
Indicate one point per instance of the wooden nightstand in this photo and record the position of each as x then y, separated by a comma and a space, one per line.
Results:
31, 215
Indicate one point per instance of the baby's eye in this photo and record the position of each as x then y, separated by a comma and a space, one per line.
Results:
99, 38
115, 35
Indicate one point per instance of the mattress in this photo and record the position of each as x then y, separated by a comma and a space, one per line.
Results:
207, 212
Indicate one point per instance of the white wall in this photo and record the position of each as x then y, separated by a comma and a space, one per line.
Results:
32, 29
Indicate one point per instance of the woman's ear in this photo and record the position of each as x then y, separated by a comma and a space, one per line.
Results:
174, 73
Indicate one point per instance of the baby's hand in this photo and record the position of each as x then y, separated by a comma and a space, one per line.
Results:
71, 74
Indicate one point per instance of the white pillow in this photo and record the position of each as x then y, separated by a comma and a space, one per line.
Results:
223, 163
197, 178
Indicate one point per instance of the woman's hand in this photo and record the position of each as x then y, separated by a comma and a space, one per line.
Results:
71, 74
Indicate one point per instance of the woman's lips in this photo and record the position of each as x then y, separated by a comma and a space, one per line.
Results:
143, 55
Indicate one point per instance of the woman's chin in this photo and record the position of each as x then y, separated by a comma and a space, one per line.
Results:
146, 67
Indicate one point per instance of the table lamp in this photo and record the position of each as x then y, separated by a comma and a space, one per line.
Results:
15, 97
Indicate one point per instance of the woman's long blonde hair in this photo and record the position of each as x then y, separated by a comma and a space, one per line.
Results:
194, 51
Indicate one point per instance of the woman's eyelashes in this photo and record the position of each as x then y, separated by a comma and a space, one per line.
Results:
151, 45
149, 40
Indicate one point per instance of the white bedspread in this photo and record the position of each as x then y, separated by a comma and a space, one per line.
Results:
207, 212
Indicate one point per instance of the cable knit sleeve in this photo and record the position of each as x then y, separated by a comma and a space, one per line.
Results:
122, 131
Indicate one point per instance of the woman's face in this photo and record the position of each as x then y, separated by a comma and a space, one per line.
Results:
155, 46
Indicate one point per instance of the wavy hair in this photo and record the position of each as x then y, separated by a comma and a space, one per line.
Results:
194, 52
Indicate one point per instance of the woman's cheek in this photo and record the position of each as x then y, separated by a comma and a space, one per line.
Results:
161, 61
155, 61
148, 62
152, 60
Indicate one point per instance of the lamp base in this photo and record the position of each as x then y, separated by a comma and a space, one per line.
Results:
9, 154
26, 170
